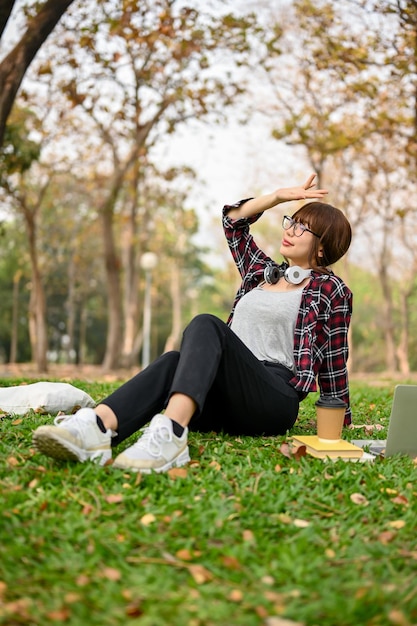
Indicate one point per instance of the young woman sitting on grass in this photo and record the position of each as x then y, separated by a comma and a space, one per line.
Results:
287, 329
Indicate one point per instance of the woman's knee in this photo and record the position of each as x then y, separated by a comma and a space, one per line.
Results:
204, 320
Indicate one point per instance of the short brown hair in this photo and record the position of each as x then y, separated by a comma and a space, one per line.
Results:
333, 228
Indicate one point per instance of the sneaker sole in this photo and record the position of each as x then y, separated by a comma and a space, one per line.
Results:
51, 446
181, 459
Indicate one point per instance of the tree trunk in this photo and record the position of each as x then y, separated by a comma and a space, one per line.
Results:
15, 64
129, 354
15, 318
390, 356
37, 312
113, 342
175, 288
402, 349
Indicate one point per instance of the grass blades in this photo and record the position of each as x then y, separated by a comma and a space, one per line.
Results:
244, 535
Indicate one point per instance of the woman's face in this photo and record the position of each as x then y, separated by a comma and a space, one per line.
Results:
296, 247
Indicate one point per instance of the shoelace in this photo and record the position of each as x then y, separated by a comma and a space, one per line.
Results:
75, 421
64, 418
152, 439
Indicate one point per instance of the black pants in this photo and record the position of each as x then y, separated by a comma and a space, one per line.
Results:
234, 391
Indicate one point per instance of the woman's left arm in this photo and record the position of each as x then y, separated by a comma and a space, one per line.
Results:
333, 374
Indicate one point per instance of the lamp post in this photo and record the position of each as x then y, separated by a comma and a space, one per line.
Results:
148, 262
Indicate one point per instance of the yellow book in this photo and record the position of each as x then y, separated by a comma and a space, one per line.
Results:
341, 449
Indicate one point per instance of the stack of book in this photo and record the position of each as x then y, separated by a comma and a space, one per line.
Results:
341, 449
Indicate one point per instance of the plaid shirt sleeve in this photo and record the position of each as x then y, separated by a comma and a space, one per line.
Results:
321, 338
250, 260
321, 332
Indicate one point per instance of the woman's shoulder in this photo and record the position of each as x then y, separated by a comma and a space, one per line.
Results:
331, 283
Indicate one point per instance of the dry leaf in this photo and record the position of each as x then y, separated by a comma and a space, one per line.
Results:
12, 461
17, 422
299, 451
400, 500
215, 464
398, 618
358, 498
134, 609
386, 536
147, 519
177, 472
399, 523
281, 621
285, 450
111, 573
184, 555
301, 523
114, 498
3, 588
61, 615
248, 536
231, 562
200, 573
236, 595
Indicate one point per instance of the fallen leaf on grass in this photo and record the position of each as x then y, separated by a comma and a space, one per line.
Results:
400, 500
17, 422
12, 461
61, 615
399, 523
293, 451
19, 607
386, 536
111, 573
114, 498
281, 621
147, 519
231, 562
248, 536
200, 573
368, 427
285, 450
301, 523
236, 595
134, 609
358, 498
398, 618
184, 555
177, 472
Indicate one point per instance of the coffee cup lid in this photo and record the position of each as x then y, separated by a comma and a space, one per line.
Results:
331, 402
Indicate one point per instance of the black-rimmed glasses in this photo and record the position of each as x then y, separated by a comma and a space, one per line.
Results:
288, 222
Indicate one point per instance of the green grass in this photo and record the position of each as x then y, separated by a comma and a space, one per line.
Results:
246, 536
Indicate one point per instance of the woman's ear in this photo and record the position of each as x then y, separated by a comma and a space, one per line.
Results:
320, 252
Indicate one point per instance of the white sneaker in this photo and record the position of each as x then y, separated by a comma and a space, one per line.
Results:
74, 438
158, 449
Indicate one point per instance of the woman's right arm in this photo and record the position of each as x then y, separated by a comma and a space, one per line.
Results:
270, 200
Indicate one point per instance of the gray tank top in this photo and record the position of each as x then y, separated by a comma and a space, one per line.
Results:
265, 322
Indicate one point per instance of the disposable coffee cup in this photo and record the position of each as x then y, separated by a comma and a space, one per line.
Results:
330, 415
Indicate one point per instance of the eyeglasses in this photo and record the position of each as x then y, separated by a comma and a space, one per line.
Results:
288, 222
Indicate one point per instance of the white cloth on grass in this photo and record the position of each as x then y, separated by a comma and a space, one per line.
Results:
43, 397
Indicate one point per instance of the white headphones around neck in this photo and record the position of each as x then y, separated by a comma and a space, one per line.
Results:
294, 274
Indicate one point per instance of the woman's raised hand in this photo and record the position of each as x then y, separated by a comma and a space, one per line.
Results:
303, 192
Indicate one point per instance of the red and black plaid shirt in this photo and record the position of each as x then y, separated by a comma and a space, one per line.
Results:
321, 332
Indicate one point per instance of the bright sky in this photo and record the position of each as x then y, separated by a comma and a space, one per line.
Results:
231, 162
